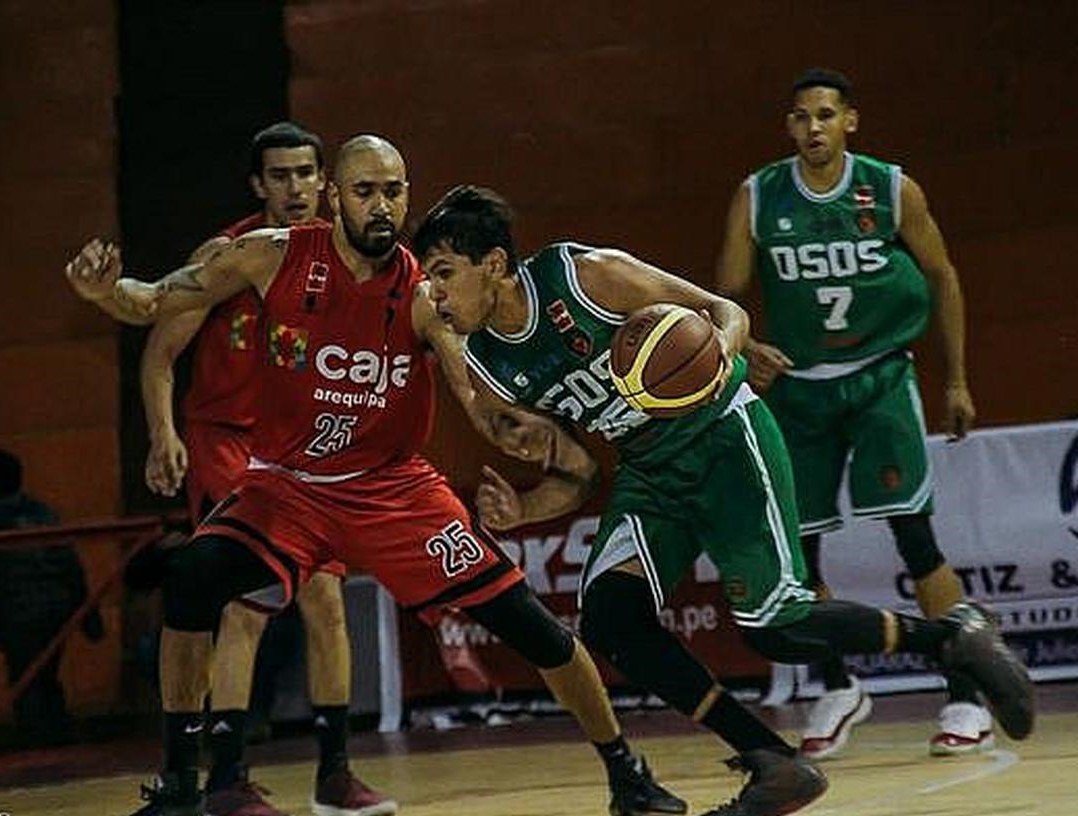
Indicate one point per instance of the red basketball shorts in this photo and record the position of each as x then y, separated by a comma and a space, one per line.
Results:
401, 524
217, 458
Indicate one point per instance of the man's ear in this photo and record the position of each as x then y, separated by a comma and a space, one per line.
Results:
790, 126
333, 196
498, 262
852, 119
257, 187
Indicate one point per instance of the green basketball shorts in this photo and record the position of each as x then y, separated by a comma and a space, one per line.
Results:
724, 487
871, 420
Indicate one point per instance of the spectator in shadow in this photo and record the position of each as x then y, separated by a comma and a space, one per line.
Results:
40, 588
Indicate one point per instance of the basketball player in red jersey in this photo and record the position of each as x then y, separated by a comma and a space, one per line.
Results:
346, 404
287, 174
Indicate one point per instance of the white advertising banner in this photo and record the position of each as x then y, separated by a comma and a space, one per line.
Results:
1006, 517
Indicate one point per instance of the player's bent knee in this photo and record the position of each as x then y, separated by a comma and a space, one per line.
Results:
616, 606
526, 626
189, 604
206, 574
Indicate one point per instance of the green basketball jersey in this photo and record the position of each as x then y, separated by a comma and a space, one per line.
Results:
559, 362
839, 285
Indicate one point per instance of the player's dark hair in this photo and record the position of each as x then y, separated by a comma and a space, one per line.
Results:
471, 221
825, 78
282, 134
10, 474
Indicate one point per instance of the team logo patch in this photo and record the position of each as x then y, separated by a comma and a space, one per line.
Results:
891, 477
785, 224
520, 380
241, 331
560, 316
579, 342
864, 197
735, 588
288, 347
317, 277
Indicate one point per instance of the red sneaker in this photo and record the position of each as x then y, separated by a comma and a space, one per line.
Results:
343, 794
242, 798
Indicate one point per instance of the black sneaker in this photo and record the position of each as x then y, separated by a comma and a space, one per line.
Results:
164, 797
634, 792
978, 651
778, 784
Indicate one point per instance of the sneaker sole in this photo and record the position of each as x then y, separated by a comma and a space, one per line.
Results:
386, 808
942, 749
818, 788
842, 735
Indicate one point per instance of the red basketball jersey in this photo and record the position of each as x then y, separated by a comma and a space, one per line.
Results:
346, 384
223, 387
224, 390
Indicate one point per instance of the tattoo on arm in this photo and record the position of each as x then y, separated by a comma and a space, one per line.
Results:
184, 279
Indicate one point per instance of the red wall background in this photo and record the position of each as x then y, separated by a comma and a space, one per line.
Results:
58, 377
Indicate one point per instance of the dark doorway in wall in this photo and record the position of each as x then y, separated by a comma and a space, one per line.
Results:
197, 80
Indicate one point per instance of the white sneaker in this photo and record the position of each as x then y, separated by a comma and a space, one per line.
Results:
965, 728
832, 718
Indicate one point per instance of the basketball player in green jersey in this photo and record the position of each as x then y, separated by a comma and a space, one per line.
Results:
850, 264
717, 480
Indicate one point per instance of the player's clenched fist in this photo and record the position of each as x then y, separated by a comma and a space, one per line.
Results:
94, 271
95, 275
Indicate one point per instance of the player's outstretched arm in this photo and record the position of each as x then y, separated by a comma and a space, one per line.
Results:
923, 237
252, 260
166, 460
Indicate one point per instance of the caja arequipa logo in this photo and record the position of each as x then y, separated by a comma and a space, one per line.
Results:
1068, 485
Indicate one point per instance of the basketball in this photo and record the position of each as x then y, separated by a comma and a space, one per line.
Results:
666, 360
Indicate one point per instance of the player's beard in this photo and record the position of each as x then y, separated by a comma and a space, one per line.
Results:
366, 244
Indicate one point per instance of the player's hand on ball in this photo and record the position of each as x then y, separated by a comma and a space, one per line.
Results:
498, 502
766, 363
666, 360
94, 271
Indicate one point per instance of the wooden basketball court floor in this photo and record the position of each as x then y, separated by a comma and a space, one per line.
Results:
541, 768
